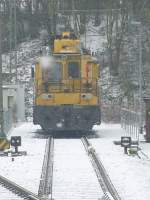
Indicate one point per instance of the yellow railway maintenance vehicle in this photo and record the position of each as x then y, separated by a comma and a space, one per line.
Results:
66, 88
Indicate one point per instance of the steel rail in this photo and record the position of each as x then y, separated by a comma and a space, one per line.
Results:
110, 193
17, 189
45, 186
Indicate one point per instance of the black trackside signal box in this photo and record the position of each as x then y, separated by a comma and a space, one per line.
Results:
15, 142
126, 141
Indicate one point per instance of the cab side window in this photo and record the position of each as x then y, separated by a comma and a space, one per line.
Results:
73, 70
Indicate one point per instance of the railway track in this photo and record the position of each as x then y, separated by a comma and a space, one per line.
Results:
8, 195
45, 187
18, 190
110, 193
73, 172
107, 190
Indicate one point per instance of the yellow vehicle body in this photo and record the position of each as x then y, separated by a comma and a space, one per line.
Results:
67, 44
68, 91
66, 88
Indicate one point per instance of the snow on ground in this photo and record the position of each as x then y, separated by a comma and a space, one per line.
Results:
25, 170
25, 130
74, 177
129, 174
73, 173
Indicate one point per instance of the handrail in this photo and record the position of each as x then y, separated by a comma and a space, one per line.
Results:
82, 85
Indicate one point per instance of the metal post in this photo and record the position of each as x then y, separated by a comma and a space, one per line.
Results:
74, 16
140, 80
1, 85
10, 40
85, 31
138, 24
15, 38
125, 150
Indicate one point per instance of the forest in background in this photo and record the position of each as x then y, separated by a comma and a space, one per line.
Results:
23, 20
28, 17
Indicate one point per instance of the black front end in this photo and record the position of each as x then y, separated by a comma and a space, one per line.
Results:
66, 117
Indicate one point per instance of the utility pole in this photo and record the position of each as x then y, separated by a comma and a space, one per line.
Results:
1, 84
10, 39
52, 6
140, 79
74, 16
85, 31
15, 38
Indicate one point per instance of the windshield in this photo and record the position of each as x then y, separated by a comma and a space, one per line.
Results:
73, 70
52, 72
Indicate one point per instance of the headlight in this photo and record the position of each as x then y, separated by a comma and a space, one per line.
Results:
47, 96
86, 96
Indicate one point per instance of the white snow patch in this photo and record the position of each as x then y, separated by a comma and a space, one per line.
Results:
130, 175
25, 170
74, 176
